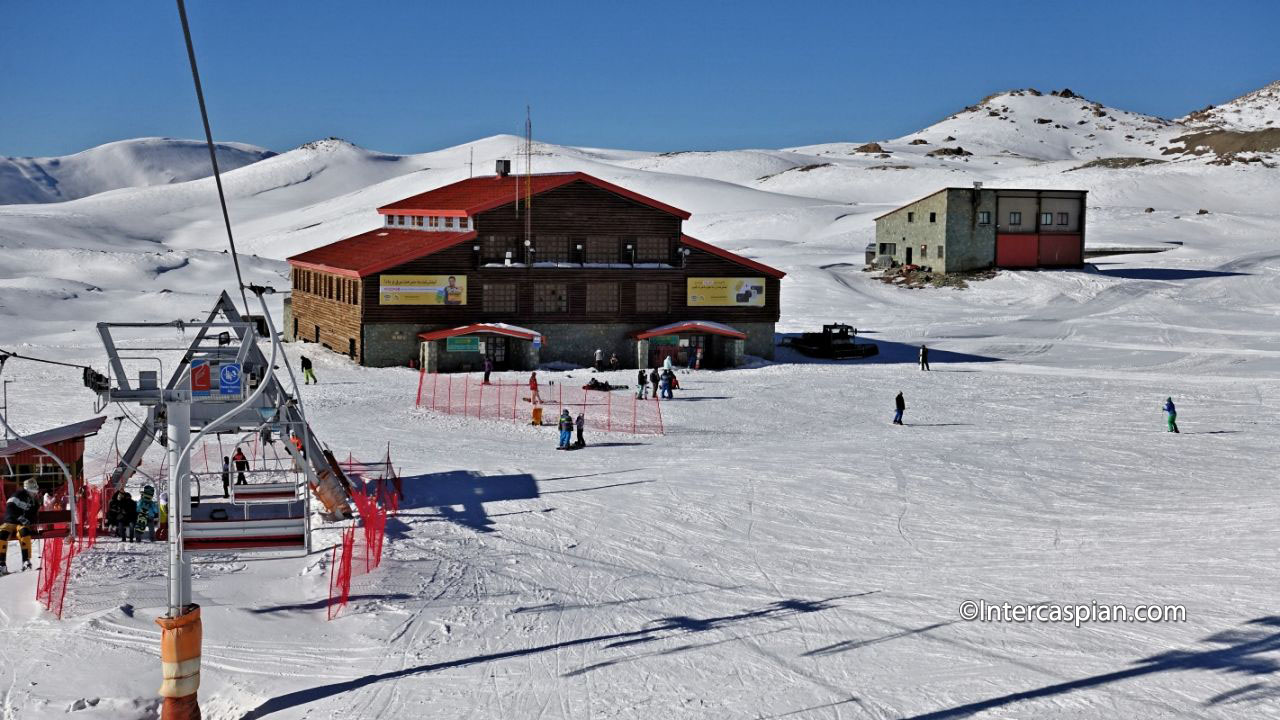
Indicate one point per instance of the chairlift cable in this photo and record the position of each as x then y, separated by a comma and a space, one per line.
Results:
5, 354
213, 154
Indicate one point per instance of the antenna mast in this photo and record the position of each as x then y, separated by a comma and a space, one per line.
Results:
528, 175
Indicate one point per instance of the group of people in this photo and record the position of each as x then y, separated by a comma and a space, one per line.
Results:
130, 519
663, 383
19, 523
600, 365
567, 426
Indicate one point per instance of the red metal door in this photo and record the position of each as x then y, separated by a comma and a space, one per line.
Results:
1061, 250
1016, 250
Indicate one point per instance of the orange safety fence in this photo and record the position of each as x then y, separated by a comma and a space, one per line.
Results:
358, 553
55, 571
620, 409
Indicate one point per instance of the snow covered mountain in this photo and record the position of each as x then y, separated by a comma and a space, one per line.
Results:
127, 163
782, 551
1258, 110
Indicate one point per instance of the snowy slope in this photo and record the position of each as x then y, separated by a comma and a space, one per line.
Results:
128, 163
783, 551
1257, 110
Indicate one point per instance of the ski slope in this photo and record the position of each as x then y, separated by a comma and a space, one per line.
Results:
783, 551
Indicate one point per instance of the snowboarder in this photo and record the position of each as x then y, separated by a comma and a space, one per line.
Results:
488, 368
1171, 413
242, 466
900, 406
19, 523
148, 514
613, 361
534, 397
128, 516
308, 375
580, 423
566, 429
653, 379
599, 359
226, 477
642, 382
924, 357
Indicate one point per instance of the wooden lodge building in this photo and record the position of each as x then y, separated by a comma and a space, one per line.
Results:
19, 461
529, 270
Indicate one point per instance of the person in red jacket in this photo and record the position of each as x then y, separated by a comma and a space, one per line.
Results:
534, 397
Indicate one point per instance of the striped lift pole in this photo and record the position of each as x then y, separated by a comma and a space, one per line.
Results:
181, 630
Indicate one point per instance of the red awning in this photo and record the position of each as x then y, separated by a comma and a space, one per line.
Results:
691, 327
479, 328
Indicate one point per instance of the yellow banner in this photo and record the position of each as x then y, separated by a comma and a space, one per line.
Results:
422, 290
718, 291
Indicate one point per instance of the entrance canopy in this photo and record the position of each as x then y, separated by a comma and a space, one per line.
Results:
692, 326
493, 328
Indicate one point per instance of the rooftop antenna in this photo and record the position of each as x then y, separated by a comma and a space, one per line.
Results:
528, 176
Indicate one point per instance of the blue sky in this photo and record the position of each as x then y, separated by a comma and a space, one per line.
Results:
414, 76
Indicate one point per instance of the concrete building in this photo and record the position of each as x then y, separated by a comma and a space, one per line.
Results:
529, 270
958, 229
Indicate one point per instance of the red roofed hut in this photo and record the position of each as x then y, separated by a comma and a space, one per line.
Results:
18, 461
574, 263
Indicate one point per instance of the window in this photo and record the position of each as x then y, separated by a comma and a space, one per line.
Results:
602, 249
653, 297
888, 248
550, 298
938, 251
1015, 218
653, 250
552, 248
417, 221
1063, 219
433, 221
496, 247
448, 223
933, 217
462, 223
1046, 218
924, 251
500, 297
911, 217
984, 217
602, 298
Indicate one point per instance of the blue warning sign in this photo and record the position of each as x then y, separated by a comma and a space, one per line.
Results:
229, 379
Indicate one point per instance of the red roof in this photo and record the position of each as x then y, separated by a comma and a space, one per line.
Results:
692, 326
377, 250
476, 195
493, 328
74, 431
731, 257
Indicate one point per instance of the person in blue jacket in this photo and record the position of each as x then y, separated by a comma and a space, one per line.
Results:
1171, 413
566, 429
148, 514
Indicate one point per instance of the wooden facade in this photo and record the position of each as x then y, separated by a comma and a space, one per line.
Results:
614, 259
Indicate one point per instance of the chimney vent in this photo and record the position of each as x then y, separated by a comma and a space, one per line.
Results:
503, 168
977, 185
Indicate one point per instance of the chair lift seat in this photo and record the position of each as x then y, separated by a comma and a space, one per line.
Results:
263, 526
264, 492
51, 524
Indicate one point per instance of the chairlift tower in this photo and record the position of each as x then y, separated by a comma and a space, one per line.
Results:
223, 383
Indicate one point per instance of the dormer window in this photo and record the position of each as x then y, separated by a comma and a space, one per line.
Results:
433, 221
448, 223
462, 223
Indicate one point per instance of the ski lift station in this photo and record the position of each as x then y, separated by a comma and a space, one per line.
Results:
19, 461
531, 269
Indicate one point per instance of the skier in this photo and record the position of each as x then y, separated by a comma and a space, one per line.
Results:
653, 379
566, 429
642, 382
900, 406
580, 423
488, 368
613, 361
924, 357
19, 521
308, 375
534, 397
265, 435
226, 477
242, 466
1171, 413
148, 514
599, 359
128, 516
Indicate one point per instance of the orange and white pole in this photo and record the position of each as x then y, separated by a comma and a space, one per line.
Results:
180, 663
